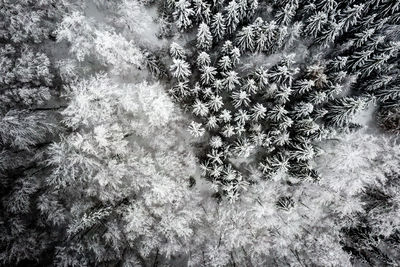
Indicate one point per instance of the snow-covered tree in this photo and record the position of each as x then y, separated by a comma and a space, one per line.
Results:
350, 16
231, 79
177, 51
180, 69
240, 98
218, 26
208, 74
200, 108
204, 37
232, 16
203, 59
259, 112
28, 121
342, 111
285, 15
315, 23
107, 167
266, 36
202, 11
216, 102
183, 14
108, 47
196, 129
245, 38
225, 63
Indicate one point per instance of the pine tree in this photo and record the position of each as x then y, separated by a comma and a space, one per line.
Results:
250, 86
240, 98
196, 129
228, 131
232, 16
282, 37
359, 58
329, 35
259, 112
350, 16
341, 111
245, 38
304, 86
180, 69
182, 14
202, 11
252, 8
243, 148
203, 59
212, 122
302, 152
285, 15
215, 103
231, 79
315, 24
226, 115
243, 6
302, 110
225, 63
283, 94
204, 37
267, 36
277, 113
207, 75
327, 6
218, 85
362, 37
200, 108
294, 34
235, 56
261, 77
241, 116
218, 26
177, 51
226, 48
181, 89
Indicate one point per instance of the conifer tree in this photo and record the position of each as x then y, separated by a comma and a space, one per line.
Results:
183, 14
285, 15
200, 108
350, 16
180, 69
177, 51
341, 111
231, 79
208, 75
202, 11
235, 55
240, 98
315, 24
232, 16
215, 103
225, 63
259, 112
204, 37
218, 27
245, 38
196, 129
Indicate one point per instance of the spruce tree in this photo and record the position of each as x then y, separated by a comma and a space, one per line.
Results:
204, 37
218, 27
